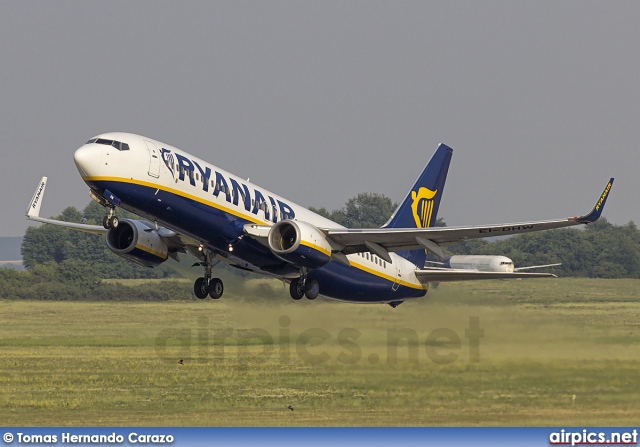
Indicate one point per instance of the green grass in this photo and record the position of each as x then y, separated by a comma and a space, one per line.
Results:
244, 361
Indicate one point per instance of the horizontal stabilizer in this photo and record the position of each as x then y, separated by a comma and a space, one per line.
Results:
446, 275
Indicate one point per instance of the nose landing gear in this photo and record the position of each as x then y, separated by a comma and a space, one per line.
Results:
108, 200
110, 221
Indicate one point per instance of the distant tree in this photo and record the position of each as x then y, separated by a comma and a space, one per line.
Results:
50, 243
368, 210
365, 210
601, 249
440, 222
321, 211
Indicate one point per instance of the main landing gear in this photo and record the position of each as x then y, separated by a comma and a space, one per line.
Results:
206, 285
300, 287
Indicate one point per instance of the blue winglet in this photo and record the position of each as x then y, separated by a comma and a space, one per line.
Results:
596, 212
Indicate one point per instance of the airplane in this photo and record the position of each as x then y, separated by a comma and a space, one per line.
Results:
483, 263
189, 205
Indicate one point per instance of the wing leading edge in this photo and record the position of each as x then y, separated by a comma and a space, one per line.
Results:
33, 213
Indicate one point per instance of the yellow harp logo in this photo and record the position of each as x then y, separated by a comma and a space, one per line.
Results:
422, 206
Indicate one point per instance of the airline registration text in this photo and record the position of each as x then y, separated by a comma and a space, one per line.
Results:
505, 229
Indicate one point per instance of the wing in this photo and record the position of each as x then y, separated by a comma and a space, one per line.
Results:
445, 275
175, 242
536, 267
33, 213
383, 240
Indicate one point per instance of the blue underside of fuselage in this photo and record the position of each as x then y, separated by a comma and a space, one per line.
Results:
216, 229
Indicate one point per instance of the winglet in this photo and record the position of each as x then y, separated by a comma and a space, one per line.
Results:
36, 200
596, 212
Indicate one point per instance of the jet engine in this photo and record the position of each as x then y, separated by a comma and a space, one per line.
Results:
138, 242
300, 244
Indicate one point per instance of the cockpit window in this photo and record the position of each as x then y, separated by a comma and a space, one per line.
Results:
117, 144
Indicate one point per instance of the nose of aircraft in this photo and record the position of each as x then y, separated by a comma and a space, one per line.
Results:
84, 158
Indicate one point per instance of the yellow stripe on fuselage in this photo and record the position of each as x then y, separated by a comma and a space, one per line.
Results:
241, 215
385, 276
178, 192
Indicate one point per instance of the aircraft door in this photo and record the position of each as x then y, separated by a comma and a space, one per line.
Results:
397, 277
154, 159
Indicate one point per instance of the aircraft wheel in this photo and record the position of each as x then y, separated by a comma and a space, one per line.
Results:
216, 288
114, 222
295, 289
105, 222
312, 289
200, 288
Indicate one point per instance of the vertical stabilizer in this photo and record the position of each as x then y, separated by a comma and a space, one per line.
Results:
419, 209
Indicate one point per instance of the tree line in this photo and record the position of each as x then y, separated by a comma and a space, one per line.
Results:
55, 244
67, 264
599, 250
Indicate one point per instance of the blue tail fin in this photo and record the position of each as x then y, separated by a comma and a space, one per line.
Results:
420, 206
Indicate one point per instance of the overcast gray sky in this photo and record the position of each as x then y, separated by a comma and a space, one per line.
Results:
318, 101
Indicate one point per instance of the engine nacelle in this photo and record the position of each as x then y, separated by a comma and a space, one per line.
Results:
300, 244
138, 242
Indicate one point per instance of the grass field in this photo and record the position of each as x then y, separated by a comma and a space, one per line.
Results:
562, 351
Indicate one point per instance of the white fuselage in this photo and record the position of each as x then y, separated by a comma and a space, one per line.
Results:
481, 263
176, 175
